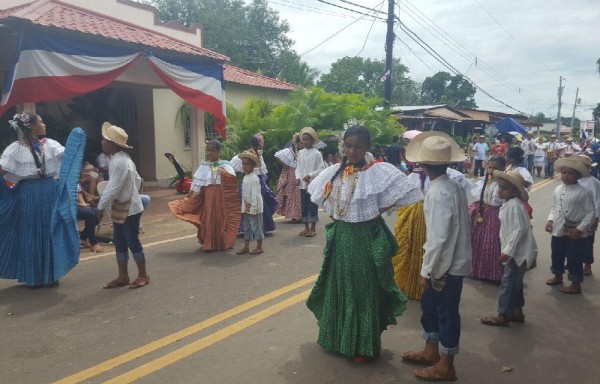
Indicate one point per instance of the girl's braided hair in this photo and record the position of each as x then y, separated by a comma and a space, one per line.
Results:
23, 122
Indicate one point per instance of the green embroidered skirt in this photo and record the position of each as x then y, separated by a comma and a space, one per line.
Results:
355, 297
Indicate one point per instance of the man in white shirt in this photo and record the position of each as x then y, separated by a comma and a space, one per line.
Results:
447, 258
482, 151
121, 195
528, 146
103, 163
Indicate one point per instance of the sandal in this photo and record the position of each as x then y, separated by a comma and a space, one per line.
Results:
303, 233
495, 321
432, 374
517, 318
115, 284
572, 289
139, 283
587, 270
256, 251
96, 248
242, 251
554, 281
417, 358
310, 234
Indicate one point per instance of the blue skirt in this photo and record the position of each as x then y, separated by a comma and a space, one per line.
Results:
39, 242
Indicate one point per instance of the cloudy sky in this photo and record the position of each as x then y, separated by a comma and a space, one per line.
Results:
522, 47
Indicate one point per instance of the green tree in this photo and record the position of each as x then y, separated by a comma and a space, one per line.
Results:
443, 88
252, 35
541, 118
360, 75
295, 71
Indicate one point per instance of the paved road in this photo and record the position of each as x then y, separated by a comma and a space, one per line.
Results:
226, 318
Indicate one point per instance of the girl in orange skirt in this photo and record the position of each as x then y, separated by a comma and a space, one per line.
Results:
213, 203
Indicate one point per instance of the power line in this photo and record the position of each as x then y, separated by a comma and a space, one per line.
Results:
369, 33
351, 10
440, 34
307, 8
336, 33
515, 39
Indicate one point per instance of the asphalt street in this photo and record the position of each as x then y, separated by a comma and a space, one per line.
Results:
226, 318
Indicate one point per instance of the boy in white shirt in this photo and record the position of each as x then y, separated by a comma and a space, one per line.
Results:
593, 185
310, 164
571, 216
447, 258
252, 205
518, 248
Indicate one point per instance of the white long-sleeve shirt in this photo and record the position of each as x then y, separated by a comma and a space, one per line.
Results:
251, 195
310, 163
572, 206
516, 235
593, 185
123, 184
448, 245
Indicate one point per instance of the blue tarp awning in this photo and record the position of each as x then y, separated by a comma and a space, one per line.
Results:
511, 125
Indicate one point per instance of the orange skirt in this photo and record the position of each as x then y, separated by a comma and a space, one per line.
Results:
215, 211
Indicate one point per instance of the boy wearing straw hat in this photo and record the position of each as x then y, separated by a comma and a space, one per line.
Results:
593, 185
252, 204
122, 197
447, 258
519, 249
571, 216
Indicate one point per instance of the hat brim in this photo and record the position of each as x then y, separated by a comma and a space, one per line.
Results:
105, 127
573, 163
250, 157
523, 194
310, 131
415, 154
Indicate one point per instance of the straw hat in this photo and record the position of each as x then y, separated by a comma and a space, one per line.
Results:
434, 147
115, 134
310, 131
516, 179
574, 162
569, 138
250, 156
587, 161
553, 136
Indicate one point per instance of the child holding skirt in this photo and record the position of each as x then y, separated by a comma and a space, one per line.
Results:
288, 188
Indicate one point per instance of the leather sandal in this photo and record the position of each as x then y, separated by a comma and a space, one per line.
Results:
554, 281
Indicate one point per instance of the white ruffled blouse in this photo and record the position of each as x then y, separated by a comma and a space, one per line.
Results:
453, 174
288, 157
236, 164
490, 195
19, 164
210, 173
380, 186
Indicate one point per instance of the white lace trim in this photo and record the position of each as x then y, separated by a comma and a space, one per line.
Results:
204, 175
490, 196
380, 186
18, 161
453, 174
287, 157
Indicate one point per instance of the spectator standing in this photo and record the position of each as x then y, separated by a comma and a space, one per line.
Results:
481, 150
528, 146
552, 150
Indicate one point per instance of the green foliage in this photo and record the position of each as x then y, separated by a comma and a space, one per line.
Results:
295, 71
251, 34
443, 88
327, 113
359, 75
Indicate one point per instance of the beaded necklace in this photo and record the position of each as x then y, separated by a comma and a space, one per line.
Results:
342, 211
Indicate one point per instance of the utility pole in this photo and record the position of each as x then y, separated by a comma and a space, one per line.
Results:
577, 101
389, 49
560, 91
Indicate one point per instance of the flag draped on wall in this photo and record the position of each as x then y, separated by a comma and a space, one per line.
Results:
54, 67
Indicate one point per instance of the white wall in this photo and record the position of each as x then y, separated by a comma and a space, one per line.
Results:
168, 136
238, 94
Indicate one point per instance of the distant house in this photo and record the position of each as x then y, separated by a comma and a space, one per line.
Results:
139, 98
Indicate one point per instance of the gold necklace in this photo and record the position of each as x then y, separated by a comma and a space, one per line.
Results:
342, 211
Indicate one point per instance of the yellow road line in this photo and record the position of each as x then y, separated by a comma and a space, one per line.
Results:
99, 255
541, 184
196, 346
160, 343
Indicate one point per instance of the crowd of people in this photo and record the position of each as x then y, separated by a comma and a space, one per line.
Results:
368, 271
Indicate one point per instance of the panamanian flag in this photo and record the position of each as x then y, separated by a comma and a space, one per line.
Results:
55, 67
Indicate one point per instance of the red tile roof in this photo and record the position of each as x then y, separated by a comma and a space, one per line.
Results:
243, 76
53, 13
